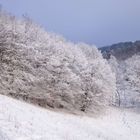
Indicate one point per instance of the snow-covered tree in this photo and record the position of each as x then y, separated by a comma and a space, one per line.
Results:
132, 76
45, 69
127, 81
115, 68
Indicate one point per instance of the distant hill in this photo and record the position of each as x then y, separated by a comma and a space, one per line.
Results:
121, 51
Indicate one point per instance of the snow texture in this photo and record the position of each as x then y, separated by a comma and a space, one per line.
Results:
22, 121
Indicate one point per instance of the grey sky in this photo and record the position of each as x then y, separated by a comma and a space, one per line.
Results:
100, 22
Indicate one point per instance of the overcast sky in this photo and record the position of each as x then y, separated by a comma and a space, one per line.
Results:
99, 22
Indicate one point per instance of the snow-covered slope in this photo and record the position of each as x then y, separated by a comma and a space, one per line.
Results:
21, 121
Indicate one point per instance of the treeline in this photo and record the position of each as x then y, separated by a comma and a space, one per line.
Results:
45, 69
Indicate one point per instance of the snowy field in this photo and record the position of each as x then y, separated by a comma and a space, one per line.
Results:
21, 121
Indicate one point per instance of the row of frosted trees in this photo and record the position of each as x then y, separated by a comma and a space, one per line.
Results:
45, 69
127, 81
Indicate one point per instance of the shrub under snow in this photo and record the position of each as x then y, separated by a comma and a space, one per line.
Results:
44, 69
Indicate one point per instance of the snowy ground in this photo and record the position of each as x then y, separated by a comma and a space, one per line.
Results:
21, 121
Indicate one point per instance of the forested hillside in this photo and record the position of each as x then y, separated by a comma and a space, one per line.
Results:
45, 69
122, 50
124, 58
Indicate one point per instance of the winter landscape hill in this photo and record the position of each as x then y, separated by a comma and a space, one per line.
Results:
60, 79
